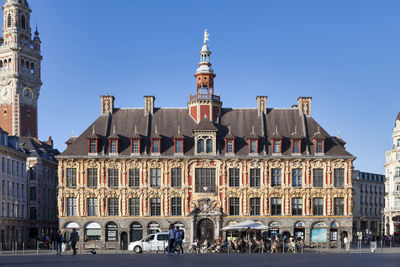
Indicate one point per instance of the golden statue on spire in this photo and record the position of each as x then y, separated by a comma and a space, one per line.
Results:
206, 36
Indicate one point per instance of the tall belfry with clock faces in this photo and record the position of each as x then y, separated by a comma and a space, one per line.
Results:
20, 80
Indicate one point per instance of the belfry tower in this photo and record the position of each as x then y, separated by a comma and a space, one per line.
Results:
204, 103
20, 80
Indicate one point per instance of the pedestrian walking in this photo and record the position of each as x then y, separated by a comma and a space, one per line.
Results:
346, 243
59, 241
171, 239
179, 236
74, 239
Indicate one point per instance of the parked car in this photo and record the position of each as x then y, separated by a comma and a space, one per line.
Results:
151, 243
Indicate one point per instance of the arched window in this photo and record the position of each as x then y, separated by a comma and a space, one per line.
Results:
209, 145
32, 68
397, 172
22, 64
27, 65
200, 146
9, 21
23, 22
1, 64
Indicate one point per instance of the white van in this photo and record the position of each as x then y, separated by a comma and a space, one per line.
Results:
156, 242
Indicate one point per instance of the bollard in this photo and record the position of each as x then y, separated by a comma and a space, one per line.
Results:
390, 244
16, 247
116, 248
1, 247
23, 247
37, 247
101, 248
381, 245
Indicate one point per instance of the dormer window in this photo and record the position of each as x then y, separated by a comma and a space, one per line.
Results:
92, 146
296, 146
178, 145
155, 145
205, 134
253, 146
200, 145
113, 141
155, 141
135, 145
209, 146
276, 146
114, 146
319, 146
178, 142
229, 146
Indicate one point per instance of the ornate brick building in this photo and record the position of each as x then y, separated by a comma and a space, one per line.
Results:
136, 170
20, 82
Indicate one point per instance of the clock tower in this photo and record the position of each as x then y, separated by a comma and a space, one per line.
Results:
20, 80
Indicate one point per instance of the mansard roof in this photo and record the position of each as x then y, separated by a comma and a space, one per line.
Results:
240, 120
36, 148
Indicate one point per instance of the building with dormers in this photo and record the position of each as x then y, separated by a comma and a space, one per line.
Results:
137, 170
392, 184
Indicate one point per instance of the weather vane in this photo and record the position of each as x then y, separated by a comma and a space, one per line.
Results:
206, 36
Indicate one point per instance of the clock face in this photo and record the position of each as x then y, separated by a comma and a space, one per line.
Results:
28, 94
4, 93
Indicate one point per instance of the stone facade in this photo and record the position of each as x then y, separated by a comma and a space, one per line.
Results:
134, 171
14, 224
392, 183
368, 202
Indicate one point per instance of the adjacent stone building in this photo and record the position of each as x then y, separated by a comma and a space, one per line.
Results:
392, 184
369, 202
137, 170
14, 224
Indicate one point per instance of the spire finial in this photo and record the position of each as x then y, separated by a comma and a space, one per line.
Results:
252, 129
276, 129
155, 129
72, 135
114, 129
93, 131
318, 129
206, 35
229, 128
135, 129
338, 134
179, 129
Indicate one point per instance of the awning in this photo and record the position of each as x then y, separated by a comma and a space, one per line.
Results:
246, 225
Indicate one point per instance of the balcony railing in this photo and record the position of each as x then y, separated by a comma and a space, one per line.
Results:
205, 96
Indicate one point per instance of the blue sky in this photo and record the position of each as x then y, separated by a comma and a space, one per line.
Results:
345, 54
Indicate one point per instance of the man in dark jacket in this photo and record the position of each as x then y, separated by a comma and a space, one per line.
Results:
74, 237
59, 240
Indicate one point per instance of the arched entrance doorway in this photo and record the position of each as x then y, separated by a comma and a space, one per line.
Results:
136, 231
124, 241
205, 230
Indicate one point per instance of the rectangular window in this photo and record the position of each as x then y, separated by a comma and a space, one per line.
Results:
92, 206
32, 213
134, 177
155, 207
297, 206
32, 193
134, 206
234, 206
179, 146
71, 177
296, 178
339, 206
3, 187
234, 177
318, 206
17, 189
319, 146
254, 206
229, 146
23, 190
156, 146
176, 177
8, 188
113, 177
255, 178
8, 166
277, 146
276, 206
92, 177
13, 189
17, 168
176, 206
276, 179
205, 180
114, 146
318, 177
253, 146
71, 206
296, 146
3, 165
113, 207
155, 177
339, 177
135, 145
93, 146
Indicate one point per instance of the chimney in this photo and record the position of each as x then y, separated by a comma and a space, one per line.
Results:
148, 104
261, 105
304, 104
107, 104
50, 141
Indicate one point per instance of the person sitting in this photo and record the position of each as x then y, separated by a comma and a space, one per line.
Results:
195, 246
204, 248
